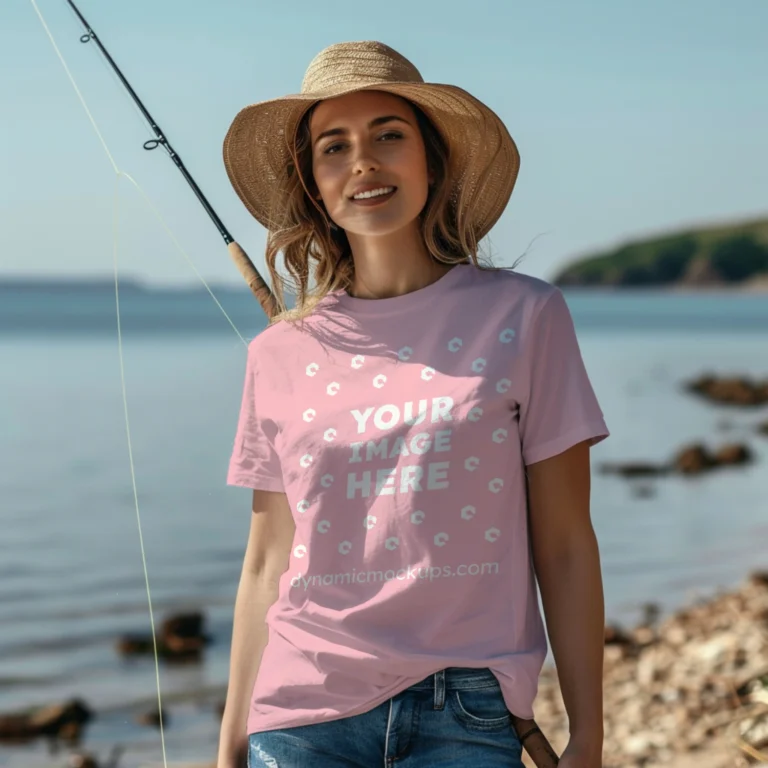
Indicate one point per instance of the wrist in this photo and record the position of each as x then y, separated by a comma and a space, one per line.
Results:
588, 741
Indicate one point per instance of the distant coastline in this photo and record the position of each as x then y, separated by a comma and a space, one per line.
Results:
101, 285
721, 258
729, 257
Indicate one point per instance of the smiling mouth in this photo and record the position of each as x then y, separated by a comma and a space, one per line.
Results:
373, 200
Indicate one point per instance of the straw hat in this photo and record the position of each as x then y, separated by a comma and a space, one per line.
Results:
256, 146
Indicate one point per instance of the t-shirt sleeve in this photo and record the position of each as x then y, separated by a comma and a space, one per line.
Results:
254, 462
560, 408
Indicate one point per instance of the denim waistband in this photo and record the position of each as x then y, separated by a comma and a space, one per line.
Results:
457, 678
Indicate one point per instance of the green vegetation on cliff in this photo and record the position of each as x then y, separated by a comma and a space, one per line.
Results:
735, 254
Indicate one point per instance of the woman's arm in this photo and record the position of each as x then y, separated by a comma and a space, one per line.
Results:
266, 558
567, 564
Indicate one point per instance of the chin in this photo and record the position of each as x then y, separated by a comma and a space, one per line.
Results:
380, 228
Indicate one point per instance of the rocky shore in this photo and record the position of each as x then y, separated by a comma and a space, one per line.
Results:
690, 691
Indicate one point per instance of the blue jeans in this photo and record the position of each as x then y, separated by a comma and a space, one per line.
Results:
456, 717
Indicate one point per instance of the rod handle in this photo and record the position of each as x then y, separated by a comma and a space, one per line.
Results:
255, 281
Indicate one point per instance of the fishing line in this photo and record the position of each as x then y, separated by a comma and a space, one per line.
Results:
116, 219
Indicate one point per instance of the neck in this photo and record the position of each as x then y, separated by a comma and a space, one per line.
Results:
392, 265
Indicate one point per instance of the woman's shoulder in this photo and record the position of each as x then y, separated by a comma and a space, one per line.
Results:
511, 284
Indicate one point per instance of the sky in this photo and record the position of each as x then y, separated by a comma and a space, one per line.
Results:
631, 119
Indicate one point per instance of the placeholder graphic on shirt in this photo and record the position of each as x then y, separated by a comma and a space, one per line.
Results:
397, 455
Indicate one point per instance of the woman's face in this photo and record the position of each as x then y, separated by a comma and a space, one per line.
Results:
364, 150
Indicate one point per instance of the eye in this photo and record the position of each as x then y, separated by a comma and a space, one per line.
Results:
329, 149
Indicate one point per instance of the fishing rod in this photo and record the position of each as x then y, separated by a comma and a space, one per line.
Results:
243, 262
529, 733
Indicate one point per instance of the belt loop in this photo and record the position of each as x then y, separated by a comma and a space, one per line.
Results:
440, 689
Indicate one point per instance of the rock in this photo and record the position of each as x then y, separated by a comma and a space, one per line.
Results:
762, 428
152, 717
734, 390
759, 578
64, 721
693, 459
643, 636
614, 635
86, 760
134, 645
189, 625
83, 760
696, 458
733, 455
647, 668
690, 460
181, 638
634, 469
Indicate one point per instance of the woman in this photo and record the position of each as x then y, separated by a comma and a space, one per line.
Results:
416, 433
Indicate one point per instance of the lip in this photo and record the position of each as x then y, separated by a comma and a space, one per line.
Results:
369, 188
369, 202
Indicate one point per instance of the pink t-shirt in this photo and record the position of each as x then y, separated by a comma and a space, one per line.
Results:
399, 429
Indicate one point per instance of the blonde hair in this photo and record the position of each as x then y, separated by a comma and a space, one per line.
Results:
304, 234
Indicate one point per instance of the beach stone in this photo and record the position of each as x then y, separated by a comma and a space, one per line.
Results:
614, 635
713, 650
83, 760
647, 668
134, 645
183, 625
693, 459
633, 469
643, 636
640, 743
87, 760
689, 460
759, 578
152, 717
731, 390
732, 455
181, 638
64, 720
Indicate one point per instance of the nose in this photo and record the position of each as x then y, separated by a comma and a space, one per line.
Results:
364, 161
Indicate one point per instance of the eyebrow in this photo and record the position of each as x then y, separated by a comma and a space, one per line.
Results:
372, 124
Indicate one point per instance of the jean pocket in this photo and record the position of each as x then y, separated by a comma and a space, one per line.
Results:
481, 708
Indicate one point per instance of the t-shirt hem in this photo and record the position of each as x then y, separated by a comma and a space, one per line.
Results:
594, 430
277, 725
257, 723
273, 724
256, 482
